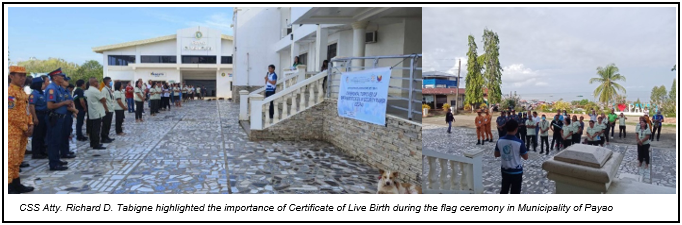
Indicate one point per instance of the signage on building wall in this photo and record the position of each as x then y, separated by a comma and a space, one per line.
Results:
222, 74
157, 74
198, 45
363, 95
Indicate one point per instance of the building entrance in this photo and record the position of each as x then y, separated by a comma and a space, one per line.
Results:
210, 86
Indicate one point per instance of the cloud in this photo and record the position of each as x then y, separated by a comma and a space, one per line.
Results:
517, 75
541, 47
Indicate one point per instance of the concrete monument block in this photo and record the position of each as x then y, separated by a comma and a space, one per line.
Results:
583, 169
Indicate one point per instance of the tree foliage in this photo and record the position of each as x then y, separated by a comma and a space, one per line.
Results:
563, 105
673, 90
607, 78
658, 95
90, 68
474, 80
493, 70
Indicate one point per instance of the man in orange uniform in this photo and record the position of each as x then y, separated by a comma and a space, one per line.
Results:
20, 128
488, 132
480, 125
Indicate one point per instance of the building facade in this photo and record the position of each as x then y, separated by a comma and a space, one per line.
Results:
440, 88
275, 35
198, 56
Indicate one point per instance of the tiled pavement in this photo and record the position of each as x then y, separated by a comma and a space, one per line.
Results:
200, 148
436, 138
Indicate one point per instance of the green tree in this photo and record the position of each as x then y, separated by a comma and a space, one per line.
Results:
673, 91
563, 105
49, 65
658, 95
674, 68
474, 80
638, 102
607, 78
90, 68
493, 70
584, 102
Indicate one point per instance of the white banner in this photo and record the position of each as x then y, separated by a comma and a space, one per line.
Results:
244, 207
363, 95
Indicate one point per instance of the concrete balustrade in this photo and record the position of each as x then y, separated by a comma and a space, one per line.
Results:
297, 93
465, 173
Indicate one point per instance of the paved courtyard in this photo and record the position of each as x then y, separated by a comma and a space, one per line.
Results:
436, 138
200, 148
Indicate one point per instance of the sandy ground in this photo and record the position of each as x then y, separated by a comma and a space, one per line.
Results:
668, 133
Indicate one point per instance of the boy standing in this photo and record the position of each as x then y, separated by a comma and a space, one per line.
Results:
511, 150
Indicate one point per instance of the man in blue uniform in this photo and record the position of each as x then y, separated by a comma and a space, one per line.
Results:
68, 122
57, 106
501, 121
38, 107
522, 126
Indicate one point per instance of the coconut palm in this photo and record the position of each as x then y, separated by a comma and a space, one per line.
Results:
608, 88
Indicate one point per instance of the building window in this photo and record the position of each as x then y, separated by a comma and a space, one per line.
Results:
303, 59
158, 59
331, 51
195, 59
121, 60
226, 60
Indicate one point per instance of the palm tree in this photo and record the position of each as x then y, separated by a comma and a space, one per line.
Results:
608, 88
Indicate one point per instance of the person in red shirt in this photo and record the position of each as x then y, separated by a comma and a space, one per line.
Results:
129, 98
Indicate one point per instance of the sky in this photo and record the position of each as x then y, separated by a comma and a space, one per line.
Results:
555, 51
70, 33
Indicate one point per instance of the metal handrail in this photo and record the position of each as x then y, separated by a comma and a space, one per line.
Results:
410, 88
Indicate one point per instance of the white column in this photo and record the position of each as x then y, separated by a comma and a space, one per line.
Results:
294, 53
243, 105
359, 42
321, 42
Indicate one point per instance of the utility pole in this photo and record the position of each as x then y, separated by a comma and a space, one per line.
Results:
459, 67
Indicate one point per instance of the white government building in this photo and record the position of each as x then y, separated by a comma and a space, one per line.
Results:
196, 56
264, 36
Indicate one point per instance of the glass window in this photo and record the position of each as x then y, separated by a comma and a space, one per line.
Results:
158, 59
331, 51
195, 59
226, 60
121, 60
303, 59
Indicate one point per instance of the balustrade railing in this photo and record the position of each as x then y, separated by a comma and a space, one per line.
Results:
451, 174
287, 103
287, 79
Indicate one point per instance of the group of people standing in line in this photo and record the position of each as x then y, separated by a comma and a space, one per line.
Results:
159, 96
47, 114
517, 132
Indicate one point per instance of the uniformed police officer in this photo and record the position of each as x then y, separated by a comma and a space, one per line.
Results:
522, 125
58, 111
38, 108
20, 126
68, 122
501, 121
